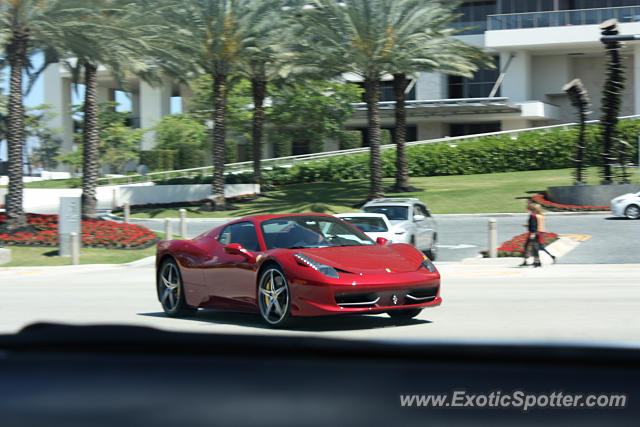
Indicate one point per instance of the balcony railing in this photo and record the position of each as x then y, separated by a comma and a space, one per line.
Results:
561, 18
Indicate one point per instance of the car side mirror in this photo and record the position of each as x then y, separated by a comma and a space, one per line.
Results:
381, 241
237, 249
418, 217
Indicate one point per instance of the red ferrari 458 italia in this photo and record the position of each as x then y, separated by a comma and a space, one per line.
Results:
285, 266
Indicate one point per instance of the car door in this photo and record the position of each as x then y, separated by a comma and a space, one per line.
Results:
230, 278
423, 230
430, 225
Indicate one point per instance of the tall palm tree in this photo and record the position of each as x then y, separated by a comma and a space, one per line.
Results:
215, 35
262, 61
114, 34
424, 44
360, 37
24, 25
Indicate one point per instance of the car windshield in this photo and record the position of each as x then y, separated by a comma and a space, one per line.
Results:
394, 213
368, 224
311, 232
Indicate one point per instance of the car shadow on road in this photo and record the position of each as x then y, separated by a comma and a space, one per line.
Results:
617, 218
307, 324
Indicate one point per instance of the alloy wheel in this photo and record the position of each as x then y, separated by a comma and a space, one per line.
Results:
273, 296
169, 287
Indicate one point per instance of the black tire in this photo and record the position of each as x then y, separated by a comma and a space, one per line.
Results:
632, 212
171, 290
412, 241
274, 297
404, 314
432, 253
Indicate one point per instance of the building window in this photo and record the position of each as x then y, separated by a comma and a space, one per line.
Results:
460, 129
474, 14
478, 87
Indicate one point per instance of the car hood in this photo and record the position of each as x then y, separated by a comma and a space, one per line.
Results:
395, 258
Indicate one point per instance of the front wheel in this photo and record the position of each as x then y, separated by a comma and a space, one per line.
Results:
171, 291
632, 212
273, 297
404, 314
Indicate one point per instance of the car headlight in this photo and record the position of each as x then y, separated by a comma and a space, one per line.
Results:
327, 270
426, 263
400, 231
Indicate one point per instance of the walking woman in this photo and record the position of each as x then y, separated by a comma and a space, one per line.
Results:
541, 229
532, 240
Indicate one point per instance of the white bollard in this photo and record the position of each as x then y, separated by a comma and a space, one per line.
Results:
183, 223
75, 248
114, 199
127, 212
493, 238
168, 233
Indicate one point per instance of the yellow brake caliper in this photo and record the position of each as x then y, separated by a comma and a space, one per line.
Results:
266, 297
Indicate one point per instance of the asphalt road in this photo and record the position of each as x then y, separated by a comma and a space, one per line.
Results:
608, 240
562, 302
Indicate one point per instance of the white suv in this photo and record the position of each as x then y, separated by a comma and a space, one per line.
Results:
411, 220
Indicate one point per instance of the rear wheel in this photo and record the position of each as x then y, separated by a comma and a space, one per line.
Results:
171, 291
432, 253
632, 212
404, 314
273, 297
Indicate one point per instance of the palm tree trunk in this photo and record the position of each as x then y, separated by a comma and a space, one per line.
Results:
372, 94
90, 143
259, 86
219, 120
400, 83
17, 52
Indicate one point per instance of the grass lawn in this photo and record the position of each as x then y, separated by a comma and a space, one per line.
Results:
32, 257
497, 192
24, 256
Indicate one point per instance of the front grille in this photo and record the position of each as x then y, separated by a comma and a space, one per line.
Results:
363, 299
422, 295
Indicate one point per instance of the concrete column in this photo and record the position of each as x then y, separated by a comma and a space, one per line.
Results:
636, 78
155, 102
57, 93
431, 86
517, 80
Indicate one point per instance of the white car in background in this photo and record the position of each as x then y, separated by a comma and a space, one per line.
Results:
372, 224
626, 205
411, 222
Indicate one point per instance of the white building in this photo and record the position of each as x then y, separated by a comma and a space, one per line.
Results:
538, 45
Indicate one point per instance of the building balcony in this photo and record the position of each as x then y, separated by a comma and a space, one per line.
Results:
561, 18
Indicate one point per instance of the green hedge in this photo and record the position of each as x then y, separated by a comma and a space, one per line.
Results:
535, 150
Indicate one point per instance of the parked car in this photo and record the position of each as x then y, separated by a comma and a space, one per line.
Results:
294, 265
626, 205
373, 225
411, 220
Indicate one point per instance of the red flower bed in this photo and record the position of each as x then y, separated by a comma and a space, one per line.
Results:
515, 246
95, 234
540, 198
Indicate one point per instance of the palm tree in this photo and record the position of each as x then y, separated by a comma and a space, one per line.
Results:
24, 25
424, 44
262, 62
114, 34
215, 35
359, 37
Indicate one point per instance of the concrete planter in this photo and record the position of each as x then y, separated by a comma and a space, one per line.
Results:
589, 195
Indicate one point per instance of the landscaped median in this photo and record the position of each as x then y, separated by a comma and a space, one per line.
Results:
95, 234
515, 246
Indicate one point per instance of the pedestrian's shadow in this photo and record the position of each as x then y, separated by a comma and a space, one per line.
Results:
309, 324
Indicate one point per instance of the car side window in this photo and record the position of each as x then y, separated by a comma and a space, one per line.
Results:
423, 211
416, 210
243, 233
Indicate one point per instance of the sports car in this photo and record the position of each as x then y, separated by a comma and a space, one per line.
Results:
295, 265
